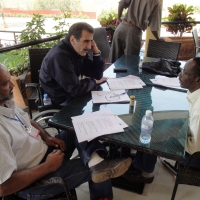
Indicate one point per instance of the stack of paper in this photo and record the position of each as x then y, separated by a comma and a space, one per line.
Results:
110, 96
166, 81
92, 125
128, 82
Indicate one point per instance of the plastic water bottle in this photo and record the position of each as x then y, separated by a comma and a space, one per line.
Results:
146, 127
140, 66
46, 100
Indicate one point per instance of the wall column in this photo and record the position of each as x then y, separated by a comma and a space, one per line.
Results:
149, 35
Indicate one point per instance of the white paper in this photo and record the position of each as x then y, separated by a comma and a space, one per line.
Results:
110, 96
87, 128
166, 81
105, 112
130, 82
138, 79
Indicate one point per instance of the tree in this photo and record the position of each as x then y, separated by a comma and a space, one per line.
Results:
58, 4
2, 15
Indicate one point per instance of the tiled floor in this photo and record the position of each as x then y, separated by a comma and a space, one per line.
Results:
160, 189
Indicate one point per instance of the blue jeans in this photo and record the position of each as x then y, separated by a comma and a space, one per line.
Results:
74, 172
144, 162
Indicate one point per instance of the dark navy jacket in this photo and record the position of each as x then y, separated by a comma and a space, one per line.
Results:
60, 71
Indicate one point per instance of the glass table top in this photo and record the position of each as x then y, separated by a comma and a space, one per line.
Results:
169, 107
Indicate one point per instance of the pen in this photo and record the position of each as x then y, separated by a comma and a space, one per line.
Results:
116, 95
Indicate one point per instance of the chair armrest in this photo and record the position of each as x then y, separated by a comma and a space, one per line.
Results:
51, 181
22, 83
33, 85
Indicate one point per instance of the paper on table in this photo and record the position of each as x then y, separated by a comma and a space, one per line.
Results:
110, 96
105, 112
166, 81
87, 128
136, 77
124, 83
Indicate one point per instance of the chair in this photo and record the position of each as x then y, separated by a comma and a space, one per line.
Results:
36, 57
187, 175
196, 43
168, 50
101, 39
67, 195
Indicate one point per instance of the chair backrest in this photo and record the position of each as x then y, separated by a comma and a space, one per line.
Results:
187, 175
196, 41
168, 50
36, 57
101, 39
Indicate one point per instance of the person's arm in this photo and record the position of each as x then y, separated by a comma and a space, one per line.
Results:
22, 178
155, 33
120, 10
193, 138
50, 141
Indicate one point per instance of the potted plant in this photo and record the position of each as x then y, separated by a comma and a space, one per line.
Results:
107, 19
181, 13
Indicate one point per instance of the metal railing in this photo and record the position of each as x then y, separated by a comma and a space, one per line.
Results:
181, 22
15, 33
27, 44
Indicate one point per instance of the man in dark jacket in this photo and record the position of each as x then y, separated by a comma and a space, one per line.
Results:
70, 69
73, 67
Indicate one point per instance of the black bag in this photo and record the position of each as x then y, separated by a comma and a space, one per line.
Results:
163, 66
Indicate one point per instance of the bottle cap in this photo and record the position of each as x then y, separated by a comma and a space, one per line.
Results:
132, 97
148, 112
45, 95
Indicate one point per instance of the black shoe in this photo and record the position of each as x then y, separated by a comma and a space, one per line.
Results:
136, 177
109, 169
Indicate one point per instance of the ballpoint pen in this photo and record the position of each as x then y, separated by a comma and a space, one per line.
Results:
117, 95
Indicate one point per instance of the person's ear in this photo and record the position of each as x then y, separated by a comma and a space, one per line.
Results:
198, 80
72, 40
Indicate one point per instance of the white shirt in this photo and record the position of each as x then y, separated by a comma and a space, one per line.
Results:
18, 150
193, 139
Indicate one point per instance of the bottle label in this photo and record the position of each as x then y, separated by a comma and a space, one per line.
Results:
146, 127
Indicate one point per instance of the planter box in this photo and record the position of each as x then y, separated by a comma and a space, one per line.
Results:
18, 98
186, 51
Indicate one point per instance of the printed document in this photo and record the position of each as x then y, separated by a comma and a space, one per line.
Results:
166, 81
128, 82
92, 125
110, 96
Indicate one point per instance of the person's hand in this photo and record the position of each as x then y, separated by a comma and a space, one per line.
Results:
103, 79
54, 160
161, 39
55, 142
94, 47
118, 21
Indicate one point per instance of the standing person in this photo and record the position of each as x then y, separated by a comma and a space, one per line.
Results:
128, 34
190, 79
29, 154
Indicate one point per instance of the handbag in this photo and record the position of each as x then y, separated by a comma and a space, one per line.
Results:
163, 66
